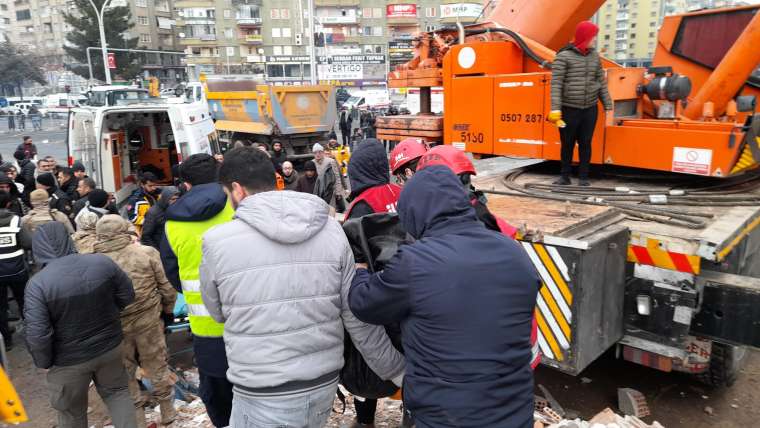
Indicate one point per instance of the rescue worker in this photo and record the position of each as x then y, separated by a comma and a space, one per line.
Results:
451, 335
155, 219
204, 206
142, 199
68, 183
85, 237
141, 321
458, 162
41, 213
283, 304
289, 176
59, 200
578, 84
13, 271
308, 180
371, 192
72, 328
404, 158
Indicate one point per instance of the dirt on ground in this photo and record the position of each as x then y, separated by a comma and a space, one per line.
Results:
675, 400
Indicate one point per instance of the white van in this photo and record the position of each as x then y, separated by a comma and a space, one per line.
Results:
60, 104
114, 142
373, 99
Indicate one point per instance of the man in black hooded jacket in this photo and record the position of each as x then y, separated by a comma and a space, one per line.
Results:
72, 311
368, 173
464, 296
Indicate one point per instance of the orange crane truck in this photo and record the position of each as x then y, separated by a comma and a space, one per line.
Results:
659, 259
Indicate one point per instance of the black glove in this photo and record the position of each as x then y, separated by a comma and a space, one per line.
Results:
168, 319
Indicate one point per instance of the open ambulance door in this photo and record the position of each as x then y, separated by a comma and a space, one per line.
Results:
82, 144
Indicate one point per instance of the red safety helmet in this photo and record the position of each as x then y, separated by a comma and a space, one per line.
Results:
448, 156
406, 151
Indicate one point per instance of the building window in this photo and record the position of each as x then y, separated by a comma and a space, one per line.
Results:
651, 34
287, 50
277, 50
48, 27
286, 32
162, 5
142, 20
652, 24
633, 35
632, 46
210, 13
607, 37
651, 46
276, 32
227, 14
367, 12
377, 31
274, 13
377, 12
430, 12
653, 14
367, 31
284, 13
431, 27
141, 3
633, 25
23, 15
229, 34
144, 38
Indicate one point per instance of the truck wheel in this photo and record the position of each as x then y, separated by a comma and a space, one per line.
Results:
725, 363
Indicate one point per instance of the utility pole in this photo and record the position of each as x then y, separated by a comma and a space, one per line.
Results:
99, 14
312, 44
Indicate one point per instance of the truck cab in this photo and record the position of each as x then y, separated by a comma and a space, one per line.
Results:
108, 96
123, 133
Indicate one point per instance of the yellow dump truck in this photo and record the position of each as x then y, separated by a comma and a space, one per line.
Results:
248, 110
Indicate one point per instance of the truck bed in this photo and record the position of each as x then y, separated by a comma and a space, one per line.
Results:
572, 221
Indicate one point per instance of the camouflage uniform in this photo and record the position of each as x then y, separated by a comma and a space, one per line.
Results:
41, 215
144, 343
85, 237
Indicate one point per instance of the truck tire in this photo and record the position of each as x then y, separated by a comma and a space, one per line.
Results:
725, 363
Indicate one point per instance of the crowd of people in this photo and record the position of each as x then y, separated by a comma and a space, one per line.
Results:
277, 294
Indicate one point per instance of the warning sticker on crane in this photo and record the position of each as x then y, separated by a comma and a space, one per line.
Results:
692, 161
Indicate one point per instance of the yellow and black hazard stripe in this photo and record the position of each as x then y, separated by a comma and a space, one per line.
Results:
554, 302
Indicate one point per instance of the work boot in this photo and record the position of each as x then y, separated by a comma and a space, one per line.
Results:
584, 182
563, 180
140, 416
168, 412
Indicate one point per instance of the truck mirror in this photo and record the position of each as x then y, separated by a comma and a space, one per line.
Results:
746, 103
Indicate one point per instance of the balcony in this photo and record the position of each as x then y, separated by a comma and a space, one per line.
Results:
256, 59
622, 16
202, 59
201, 40
194, 3
252, 39
248, 21
337, 20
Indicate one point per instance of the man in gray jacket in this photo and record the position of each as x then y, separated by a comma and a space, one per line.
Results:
278, 276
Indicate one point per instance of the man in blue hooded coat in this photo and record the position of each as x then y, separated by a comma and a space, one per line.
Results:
464, 296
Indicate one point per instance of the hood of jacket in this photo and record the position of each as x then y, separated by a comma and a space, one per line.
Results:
292, 178
574, 49
202, 202
112, 233
166, 195
14, 190
284, 216
433, 202
368, 166
51, 241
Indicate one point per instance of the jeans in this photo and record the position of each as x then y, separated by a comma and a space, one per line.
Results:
68, 386
16, 283
309, 409
580, 128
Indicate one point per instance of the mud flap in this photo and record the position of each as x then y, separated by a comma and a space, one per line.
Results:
729, 309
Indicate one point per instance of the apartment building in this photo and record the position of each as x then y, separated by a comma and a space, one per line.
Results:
38, 25
628, 28
4, 22
272, 37
155, 30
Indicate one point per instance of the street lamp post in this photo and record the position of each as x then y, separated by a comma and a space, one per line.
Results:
99, 13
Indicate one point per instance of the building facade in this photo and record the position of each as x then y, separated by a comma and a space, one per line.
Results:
356, 41
155, 30
5, 22
38, 25
628, 28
